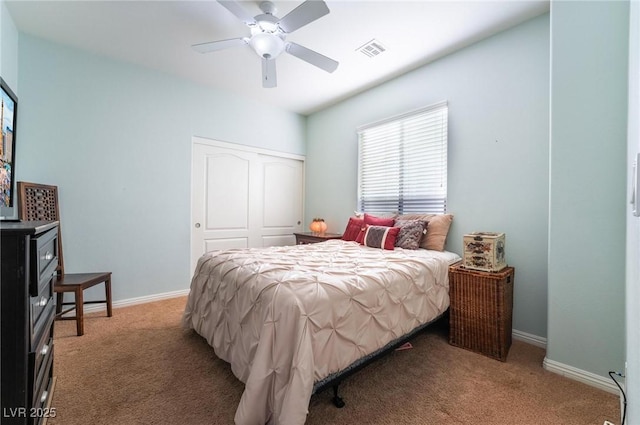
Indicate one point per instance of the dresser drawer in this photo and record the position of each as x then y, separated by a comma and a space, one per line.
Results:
39, 354
45, 286
44, 252
42, 315
42, 392
41, 376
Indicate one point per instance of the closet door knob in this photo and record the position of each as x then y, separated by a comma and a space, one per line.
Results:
197, 225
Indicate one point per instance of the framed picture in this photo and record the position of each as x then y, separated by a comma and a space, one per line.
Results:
9, 120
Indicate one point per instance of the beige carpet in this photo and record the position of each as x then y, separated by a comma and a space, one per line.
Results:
141, 367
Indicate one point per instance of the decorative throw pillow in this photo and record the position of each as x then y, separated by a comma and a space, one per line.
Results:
380, 236
437, 229
410, 234
378, 221
372, 220
354, 228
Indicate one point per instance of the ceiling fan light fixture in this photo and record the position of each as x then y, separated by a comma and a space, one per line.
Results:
267, 46
267, 26
268, 34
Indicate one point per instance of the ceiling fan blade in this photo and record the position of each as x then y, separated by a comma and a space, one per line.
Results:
268, 73
213, 46
307, 12
238, 10
314, 58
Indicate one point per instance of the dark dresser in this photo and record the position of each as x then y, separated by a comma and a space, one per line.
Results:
29, 252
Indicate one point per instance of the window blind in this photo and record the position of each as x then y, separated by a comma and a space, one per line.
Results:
403, 163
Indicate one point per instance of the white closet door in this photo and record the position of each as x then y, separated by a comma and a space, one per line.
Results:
243, 198
280, 195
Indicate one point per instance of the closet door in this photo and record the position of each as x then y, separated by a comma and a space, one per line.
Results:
280, 198
243, 198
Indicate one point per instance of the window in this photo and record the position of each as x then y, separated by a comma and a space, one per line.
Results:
403, 163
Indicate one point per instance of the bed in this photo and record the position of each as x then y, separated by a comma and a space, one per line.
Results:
289, 319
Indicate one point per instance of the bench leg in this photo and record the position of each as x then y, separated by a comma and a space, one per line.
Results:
107, 289
79, 311
59, 301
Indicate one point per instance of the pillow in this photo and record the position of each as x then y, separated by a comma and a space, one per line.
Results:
437, 229
378, 221
372, 220
354, 228
380, 236
410, 234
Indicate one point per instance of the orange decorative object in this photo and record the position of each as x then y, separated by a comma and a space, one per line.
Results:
318, 226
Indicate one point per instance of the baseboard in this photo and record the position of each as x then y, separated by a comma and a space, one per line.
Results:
536, 340
570, 372
138, 300
580, 375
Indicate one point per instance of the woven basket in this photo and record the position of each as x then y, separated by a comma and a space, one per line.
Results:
481, 310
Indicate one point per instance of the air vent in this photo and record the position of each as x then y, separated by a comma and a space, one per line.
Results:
372, 48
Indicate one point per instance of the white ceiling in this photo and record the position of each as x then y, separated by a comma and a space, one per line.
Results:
159, 35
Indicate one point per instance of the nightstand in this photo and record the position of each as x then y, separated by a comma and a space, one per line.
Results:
481, 310
310, 237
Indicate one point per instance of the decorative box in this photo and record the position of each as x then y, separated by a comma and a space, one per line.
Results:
484, 251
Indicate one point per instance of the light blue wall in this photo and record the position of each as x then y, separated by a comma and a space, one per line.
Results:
498, 94
589, 49
116, 139
633, 224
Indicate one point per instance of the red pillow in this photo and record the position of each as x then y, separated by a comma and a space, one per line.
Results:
353, 230
378, 221
380, 236
372, 220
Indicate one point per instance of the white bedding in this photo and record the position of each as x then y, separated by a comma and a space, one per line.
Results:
286, 317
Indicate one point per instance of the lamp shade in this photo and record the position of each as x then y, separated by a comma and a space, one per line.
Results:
267, 46
318, 225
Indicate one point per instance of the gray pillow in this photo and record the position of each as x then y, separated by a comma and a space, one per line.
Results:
411, 233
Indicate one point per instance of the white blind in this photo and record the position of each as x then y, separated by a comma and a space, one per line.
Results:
403, 163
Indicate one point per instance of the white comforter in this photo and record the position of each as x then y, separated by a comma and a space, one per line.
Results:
286, 317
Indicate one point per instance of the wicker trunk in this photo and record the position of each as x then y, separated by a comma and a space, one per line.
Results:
481, 310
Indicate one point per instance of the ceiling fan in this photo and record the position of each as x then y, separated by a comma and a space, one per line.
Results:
268, 35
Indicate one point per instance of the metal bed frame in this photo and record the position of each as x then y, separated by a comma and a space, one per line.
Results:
334, 380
